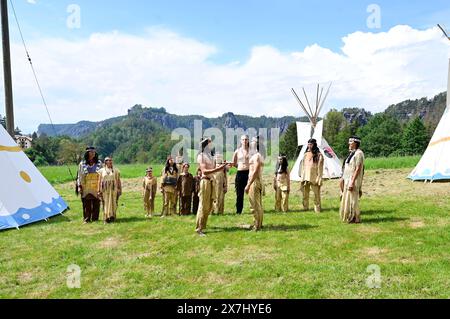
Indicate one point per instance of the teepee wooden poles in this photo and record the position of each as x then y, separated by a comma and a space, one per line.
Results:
323, 101
302, 106
313, 114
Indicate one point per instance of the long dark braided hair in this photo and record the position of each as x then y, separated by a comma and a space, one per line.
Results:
352, 154
204, 143
86, 157
168, 166
284, 165
358, 145
315, 150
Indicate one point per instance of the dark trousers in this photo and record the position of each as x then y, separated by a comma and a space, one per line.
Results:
91, 208
185, 205
241, 183
195, 203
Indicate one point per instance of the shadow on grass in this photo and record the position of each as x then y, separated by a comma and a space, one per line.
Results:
383, 220
301, 211
59, 219
266, 228
155, 217
377, 212
332, 209
124, 220
280, 228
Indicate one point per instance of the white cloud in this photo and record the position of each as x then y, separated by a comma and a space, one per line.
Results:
104, 75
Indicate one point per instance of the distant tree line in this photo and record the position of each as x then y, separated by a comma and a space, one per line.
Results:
382, 136
133, 140
54, 150
138, 140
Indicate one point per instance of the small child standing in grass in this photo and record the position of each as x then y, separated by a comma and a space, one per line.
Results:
282, 185
196, 190
169, 187
185, 187
149, 186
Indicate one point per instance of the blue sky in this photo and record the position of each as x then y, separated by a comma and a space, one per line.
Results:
233, 26
213, 56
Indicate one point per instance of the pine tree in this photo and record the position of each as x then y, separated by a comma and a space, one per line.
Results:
415, 138
17, 131
333, 124
340, 144
288, 143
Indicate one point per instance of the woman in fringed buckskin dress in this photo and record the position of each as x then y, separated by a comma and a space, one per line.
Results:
110, 190
351, 183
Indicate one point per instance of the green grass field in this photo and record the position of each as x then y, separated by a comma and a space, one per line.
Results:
392, 162
62, 174
405, 232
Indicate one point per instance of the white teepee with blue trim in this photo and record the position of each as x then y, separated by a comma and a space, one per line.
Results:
435, 162
25, 195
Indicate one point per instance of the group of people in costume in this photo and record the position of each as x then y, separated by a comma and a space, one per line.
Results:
311, 175
98, 185
249, 163
204, 193
180, 189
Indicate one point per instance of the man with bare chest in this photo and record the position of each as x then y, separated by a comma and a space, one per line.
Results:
254, 187
241, 160
208, 169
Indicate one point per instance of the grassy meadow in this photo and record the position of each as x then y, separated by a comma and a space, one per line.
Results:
65, 174
405, 232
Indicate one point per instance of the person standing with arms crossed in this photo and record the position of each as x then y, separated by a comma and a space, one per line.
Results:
241, 159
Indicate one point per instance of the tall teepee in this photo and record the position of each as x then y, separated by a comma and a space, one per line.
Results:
435, 163
314, 129
25, 195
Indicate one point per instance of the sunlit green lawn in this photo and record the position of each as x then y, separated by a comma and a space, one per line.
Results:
405, 232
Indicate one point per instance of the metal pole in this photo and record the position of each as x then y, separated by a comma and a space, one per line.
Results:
7, 69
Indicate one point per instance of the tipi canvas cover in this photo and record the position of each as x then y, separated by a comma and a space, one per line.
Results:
314, 129
25, 195
332, 165
435, 163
